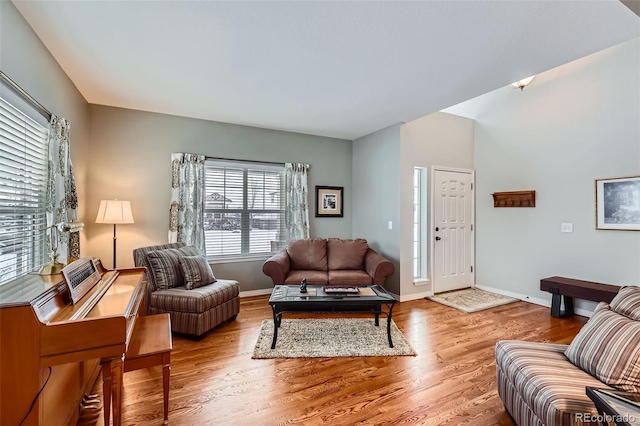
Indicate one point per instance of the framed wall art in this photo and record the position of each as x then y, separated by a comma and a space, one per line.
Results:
618, 203
329, 201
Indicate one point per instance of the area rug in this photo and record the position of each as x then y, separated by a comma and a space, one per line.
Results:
330, 337
472, 299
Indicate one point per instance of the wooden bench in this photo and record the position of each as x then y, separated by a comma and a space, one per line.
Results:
150, 346
568, 288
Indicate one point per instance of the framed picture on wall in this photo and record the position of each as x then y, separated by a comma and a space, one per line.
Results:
329, 201
618, 203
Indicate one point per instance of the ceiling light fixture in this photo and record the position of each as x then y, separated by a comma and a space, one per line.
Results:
521, 84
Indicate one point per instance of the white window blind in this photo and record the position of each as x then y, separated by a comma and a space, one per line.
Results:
244, 208
419, 224
23, 180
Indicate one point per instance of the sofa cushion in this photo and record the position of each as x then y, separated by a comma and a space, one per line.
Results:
312, 277
308, 254
627, 302
165, 266
195, 301
540, 374
608, 347
346, 254
349, 277
196, 271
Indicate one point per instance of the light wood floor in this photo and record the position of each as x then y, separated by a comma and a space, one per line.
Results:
451, 381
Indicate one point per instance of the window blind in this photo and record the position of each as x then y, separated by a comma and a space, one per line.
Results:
244, 208
23, 181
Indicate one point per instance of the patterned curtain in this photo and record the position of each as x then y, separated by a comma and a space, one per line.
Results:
62, 198
186, 222
297, 201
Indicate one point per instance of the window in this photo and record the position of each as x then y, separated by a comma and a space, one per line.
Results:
419, 224
244, 208
23, 180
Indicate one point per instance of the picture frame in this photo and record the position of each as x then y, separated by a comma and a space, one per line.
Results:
618, 203
329, 201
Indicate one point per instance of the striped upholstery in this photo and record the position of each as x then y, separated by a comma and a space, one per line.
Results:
608, 347
198, 300
538, 386
627, 302
140, 259
211, 304
196, 271
165, 266
198, 324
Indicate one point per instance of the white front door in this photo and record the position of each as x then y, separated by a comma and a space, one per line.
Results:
452, 232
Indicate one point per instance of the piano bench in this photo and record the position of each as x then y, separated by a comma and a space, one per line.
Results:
150, 346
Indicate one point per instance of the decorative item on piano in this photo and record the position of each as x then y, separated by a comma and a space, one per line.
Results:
55, 267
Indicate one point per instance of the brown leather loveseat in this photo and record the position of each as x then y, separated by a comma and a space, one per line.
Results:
332, 261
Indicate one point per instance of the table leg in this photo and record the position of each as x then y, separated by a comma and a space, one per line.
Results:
106, 390
116, 391
389, 326
112, 371
276, 323
378, 311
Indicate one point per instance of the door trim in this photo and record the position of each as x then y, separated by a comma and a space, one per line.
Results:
432, 245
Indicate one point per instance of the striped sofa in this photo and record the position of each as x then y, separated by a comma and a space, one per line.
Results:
195, 311
545, 384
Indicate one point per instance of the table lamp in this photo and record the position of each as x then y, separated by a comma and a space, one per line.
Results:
115, 212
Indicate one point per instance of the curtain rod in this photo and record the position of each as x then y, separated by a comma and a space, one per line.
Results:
244, 161
26, 96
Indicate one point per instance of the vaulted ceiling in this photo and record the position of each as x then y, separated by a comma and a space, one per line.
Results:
329, 68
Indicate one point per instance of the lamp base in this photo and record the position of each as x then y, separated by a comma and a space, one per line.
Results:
51, 268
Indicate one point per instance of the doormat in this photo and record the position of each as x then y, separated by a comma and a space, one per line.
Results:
471, 299
330, 337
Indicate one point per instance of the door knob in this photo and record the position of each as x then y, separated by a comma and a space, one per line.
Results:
438, 238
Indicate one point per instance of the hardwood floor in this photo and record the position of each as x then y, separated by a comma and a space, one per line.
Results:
451, 381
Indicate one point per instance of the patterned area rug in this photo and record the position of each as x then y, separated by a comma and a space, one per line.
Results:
330, 337
471, 299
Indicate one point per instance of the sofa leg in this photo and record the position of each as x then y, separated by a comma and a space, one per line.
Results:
233, 318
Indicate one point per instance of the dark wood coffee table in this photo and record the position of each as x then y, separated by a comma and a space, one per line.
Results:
288, 298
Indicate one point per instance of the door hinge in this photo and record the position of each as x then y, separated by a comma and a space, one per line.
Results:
472, 269
472, 226
472, 186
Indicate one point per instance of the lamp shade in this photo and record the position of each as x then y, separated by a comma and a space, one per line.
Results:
114, 211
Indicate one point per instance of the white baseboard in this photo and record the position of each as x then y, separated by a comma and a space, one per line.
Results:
260, 292
534, 300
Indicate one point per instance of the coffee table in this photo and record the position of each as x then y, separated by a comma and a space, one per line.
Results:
289, 299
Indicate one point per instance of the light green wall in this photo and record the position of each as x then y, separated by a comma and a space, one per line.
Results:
27, 61
376, 195
130, 160
572, 125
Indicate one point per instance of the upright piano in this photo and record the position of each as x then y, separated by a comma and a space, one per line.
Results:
51, 349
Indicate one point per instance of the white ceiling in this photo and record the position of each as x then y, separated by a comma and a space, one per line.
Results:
329, 68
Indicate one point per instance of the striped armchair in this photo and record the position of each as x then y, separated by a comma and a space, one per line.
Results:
545, 384
193, 311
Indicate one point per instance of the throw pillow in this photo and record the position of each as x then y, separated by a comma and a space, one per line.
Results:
165, 266
627, 302
196, 271
608, 347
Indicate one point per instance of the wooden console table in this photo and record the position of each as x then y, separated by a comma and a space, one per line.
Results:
568, 288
